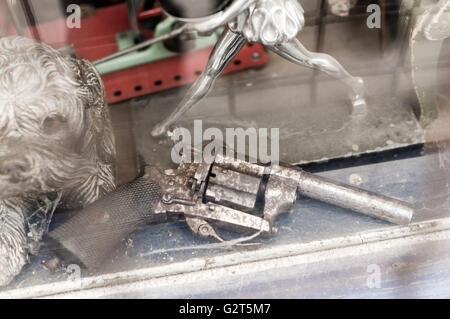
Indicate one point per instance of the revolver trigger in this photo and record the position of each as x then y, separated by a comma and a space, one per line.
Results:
202, 228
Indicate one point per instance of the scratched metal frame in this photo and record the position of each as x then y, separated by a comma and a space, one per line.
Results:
319, 251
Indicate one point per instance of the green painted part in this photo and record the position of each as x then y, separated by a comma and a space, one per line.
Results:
154, 53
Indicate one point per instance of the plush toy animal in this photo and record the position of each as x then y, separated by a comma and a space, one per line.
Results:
56, 144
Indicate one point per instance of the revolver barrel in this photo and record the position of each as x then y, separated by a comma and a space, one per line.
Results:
355, 199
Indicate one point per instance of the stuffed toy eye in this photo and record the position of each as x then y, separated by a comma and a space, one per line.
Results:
53, 123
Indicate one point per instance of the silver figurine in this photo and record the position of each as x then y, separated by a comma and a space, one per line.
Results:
273, 23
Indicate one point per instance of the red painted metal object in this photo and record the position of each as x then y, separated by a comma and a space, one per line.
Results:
156, 12
96, 38
173, 72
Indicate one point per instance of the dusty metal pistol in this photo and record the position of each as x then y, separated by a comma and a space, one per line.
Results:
229, 193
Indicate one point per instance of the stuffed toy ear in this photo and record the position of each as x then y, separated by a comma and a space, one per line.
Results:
98, 141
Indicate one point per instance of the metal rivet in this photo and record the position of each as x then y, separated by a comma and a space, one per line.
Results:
204, 229
167, 198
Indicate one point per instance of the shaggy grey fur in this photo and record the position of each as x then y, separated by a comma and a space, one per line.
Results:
56, 144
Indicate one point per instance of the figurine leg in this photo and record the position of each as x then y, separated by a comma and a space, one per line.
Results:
225, 50
295, 52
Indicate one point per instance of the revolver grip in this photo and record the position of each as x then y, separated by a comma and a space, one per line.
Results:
91, 234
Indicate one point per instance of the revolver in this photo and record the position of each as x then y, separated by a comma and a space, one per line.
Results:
234, 194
